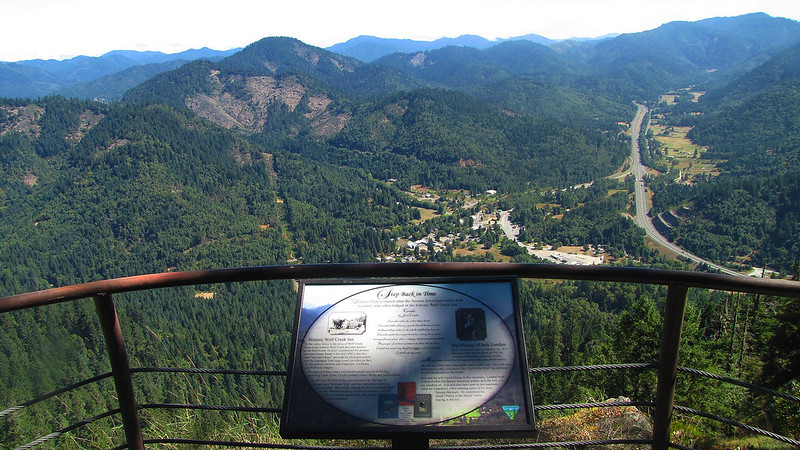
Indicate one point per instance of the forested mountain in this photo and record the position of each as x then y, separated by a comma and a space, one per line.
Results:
370, 48
459, 67
431, 137
637, 65
571, 101
524, 77
152, 174
284, 103
685, 53
273, 56
163, 186
37, 78
752, 209
276, 57
781, 69
481, 146
110, 88
19, 80
494, 75
288, 153
644, 64
763, 32
92, 192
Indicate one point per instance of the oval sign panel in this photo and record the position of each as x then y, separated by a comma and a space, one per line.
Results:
407, 354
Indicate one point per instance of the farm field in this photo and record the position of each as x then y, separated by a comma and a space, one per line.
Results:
686, 156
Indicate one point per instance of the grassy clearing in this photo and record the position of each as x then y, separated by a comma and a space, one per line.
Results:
668, 98
675, 139
686, 156
425, 214
671, 97
615, 191
480, 251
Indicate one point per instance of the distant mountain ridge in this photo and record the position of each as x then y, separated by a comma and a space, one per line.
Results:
370, 48
111, 87
646, 62
581, 84
40, 77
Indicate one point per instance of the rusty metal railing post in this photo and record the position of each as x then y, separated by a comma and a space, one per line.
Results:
121, 370
668, 365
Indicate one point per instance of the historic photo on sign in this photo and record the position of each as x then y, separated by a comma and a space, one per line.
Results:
347, 323
471, 324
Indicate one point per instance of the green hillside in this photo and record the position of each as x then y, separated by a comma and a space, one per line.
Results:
750, 212
285, 153
470, 145
435, 138
111, 87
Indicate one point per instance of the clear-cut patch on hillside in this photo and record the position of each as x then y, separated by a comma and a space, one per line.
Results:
88, 120
327, 124
307, 53
223, 110
248, 109
22, 119
266, 90
30, 179
340, 66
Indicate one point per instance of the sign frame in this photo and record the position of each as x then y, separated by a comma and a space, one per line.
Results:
339, 326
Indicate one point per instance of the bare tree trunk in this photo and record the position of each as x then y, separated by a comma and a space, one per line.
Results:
744, 338
733, 333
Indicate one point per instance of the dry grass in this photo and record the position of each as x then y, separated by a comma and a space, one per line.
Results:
480, 251
669, 99
616, 422
425, 214
676, 139
687, 156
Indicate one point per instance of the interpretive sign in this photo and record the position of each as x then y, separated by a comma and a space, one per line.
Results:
439, 357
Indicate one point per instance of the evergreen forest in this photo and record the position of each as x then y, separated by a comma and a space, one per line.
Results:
284, 153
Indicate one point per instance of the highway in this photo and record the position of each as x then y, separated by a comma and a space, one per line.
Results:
642, 219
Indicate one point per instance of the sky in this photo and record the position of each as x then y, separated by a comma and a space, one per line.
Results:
59, 29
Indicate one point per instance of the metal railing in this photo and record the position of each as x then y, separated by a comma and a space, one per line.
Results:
677, 282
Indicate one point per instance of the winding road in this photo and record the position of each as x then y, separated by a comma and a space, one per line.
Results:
642, 219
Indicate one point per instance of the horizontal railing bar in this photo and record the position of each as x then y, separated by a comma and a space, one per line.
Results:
254, 444
680, 447
403, 270
210, 407
568, 444
69, 428
686, 410
395, 270
282, 373
468, 447
44, 397
594, 367
745, 384
682, 409
590, 405
197, 370
743, 426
